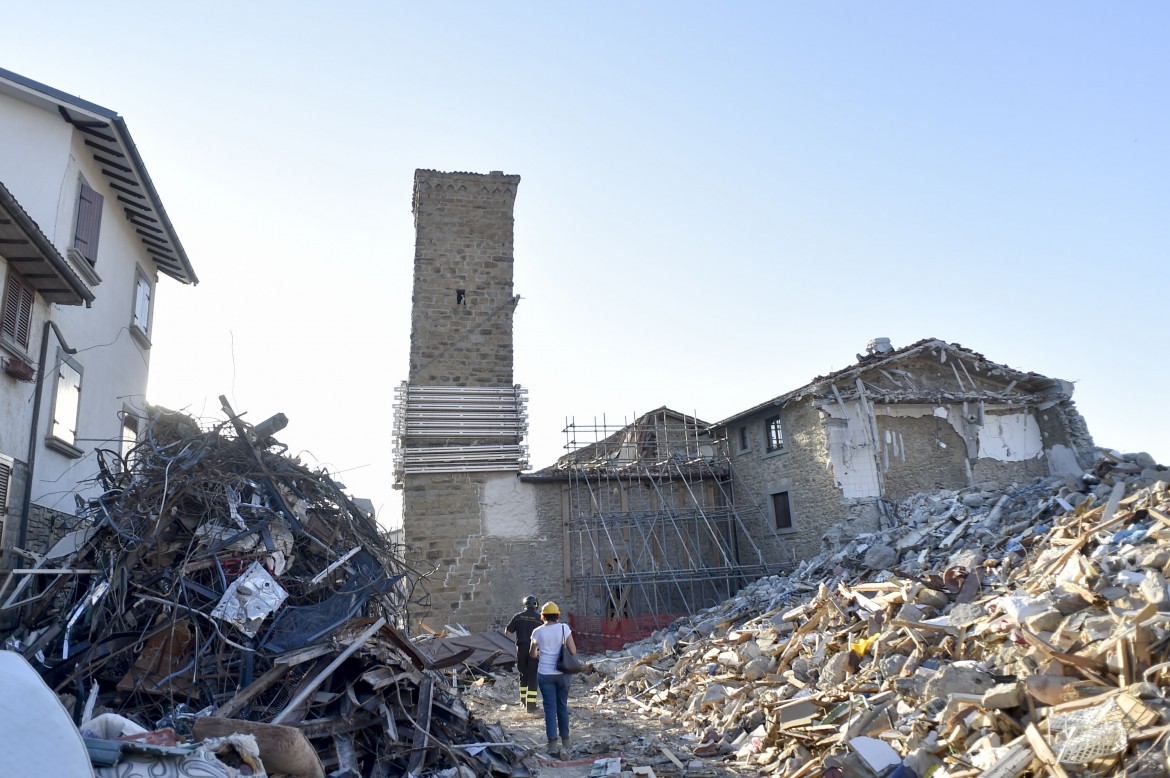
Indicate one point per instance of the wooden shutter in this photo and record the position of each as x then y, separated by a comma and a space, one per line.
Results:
18, 306
89, 222
5, 480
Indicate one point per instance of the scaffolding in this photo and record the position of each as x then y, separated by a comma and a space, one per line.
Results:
459, 429
659, 526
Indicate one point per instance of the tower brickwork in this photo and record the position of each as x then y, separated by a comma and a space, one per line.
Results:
460, 418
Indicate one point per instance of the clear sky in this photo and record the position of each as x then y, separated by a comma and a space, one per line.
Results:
718, 201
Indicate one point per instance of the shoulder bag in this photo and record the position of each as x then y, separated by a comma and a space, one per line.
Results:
568, 662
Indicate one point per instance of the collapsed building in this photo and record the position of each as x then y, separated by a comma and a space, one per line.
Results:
655, 518
833, 455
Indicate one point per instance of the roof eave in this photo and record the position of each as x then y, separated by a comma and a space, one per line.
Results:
172, 259
75, 292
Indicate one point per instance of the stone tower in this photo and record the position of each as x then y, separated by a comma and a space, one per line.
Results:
459, 419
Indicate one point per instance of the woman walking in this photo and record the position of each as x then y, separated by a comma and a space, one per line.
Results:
548, 640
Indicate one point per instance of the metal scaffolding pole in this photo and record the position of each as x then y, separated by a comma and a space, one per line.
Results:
655, 527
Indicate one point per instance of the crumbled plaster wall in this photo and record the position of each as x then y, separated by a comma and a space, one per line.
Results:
509, 507
908, 448
524, 544
533, 564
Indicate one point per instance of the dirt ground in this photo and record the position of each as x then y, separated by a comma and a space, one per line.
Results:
599, 729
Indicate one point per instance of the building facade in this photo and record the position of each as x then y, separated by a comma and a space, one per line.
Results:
84, 239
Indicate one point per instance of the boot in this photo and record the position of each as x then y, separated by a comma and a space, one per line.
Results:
532, 708
554, 750
565, 747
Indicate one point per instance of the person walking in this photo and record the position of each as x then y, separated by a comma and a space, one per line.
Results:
548, 640
520, 628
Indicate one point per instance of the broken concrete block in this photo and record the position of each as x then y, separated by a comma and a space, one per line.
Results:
1153, 589
835, 670
880, 557
957, 679
1003, 696
1045, 620
715, 694
758, 668
964, 614
932, 598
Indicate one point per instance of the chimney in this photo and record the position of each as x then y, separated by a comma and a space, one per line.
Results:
879, 346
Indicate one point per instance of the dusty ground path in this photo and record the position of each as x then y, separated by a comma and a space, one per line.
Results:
600, 728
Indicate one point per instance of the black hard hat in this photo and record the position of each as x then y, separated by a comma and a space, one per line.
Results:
530, 602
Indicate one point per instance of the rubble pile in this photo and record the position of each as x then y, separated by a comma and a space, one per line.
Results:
220, 589
989, 631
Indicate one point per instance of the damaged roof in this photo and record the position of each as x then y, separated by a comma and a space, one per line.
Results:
609, 447
115, 154
1027, 381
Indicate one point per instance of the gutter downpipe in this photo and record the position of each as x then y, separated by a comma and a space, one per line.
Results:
26, 506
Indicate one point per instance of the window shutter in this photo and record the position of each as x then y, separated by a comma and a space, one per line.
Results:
5, 480
18, 306
142, 304
89, 222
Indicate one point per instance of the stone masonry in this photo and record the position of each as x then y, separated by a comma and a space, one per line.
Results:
461, 336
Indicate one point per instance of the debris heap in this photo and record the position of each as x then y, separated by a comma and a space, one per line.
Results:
989, 631
219, 588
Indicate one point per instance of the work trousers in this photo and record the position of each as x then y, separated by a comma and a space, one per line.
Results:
526, 667
554, 692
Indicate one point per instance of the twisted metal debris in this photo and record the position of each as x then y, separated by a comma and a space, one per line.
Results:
217, 585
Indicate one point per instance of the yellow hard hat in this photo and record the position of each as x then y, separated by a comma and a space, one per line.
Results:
550, 607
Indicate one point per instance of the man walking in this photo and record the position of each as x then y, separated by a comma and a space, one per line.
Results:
521, 627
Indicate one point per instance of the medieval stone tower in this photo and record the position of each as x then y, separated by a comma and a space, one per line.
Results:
459, 420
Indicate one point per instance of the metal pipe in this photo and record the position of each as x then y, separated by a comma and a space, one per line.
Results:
26, 504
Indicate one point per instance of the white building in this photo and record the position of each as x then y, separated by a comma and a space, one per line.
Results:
84, 239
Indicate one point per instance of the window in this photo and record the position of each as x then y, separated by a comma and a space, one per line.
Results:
743, 438
89, 223
66, 407
781, 511
140, 316
18, 308
773, 433
129, 434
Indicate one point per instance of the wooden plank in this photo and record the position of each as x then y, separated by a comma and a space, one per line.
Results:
670, 755
1015, 760
282, 749
1044, 752
1083, 663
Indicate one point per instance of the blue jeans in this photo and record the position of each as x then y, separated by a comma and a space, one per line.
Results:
554, 692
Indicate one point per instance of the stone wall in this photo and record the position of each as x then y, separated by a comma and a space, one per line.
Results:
478, 532
462, 301
801, 468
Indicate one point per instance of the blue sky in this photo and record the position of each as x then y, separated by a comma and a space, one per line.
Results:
718, 202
